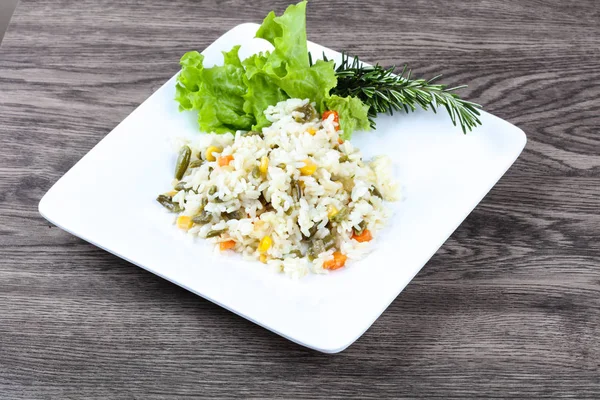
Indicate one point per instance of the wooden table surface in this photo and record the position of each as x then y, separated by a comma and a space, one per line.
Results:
508, 307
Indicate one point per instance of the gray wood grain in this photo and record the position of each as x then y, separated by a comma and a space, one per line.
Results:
508, 307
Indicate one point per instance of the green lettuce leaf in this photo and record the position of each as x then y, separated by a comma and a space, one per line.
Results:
189, 79
262, 90
353, 114
217, 93
288, 64
235, 95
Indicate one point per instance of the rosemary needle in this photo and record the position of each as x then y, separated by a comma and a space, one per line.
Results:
385, 92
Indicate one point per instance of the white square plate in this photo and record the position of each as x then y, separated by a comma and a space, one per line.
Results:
108, 199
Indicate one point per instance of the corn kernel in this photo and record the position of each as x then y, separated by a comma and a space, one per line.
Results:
311, 131
171, 193
309, 168
265, 244
263, 258
184, 222
210, 151
264, 164
332, 211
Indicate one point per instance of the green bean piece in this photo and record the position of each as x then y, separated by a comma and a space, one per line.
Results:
212, 190
341, 215
316, 247
214, 233
196, 164
263, 200
376, 192
312, 231
254, 133
361, 227
329, 241
237, 214
296, 190
296, 253
203, 218
309, 113
180, 186
183, 161
256, 172
344, 158
167, 203
281, 165
348, 184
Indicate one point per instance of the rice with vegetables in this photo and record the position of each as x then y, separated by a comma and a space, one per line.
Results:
294, 196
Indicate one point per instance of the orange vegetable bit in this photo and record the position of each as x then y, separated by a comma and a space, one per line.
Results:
340, 140
365, 236
225, 160
227, 245
339, 260
336, 118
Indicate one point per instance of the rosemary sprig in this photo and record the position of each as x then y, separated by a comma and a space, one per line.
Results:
385, 92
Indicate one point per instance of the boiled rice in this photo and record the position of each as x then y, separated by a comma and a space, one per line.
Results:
268, 202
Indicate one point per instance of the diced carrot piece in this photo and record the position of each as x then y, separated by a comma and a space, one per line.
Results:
329, 264
340, 140
338, 261
336, 118
365, 236
226, 245
225, 160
